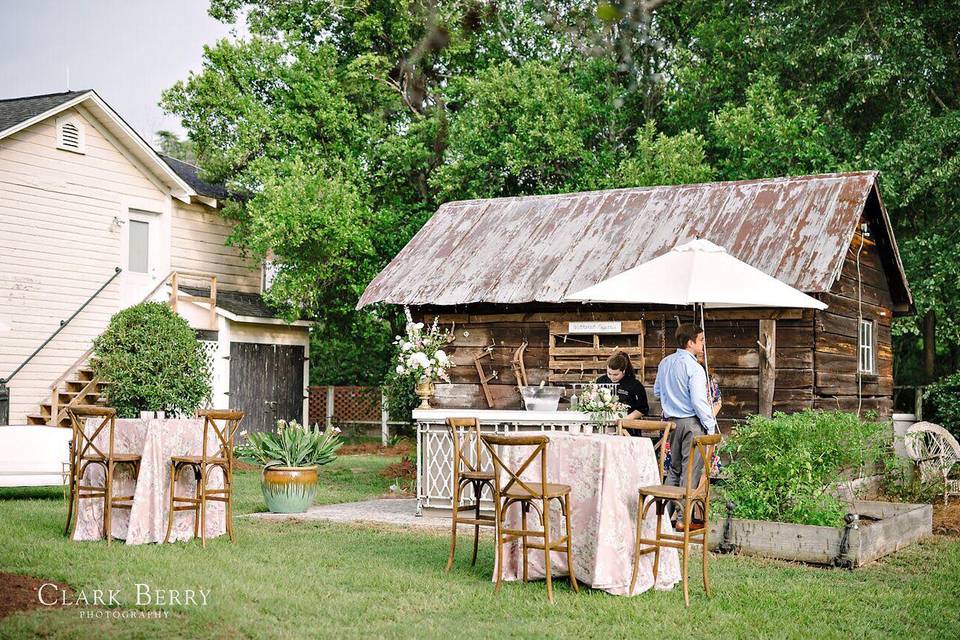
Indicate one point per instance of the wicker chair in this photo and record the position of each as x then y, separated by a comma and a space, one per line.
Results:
936, 452
467, 470
221, 425
650, 429
84, 452
529, 494
687, 496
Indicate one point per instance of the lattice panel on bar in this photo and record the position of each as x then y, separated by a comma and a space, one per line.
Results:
435, 467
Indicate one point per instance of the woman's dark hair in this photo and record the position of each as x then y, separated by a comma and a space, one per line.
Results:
620, 361
686, 333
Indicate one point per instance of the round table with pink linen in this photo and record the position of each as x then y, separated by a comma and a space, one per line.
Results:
604, 473
156, 440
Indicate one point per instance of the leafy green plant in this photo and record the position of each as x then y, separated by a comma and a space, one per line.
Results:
943, 398
787, 468
291, 445
902, 483
401, 396
152, 360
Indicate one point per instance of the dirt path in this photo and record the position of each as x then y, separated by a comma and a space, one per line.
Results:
20, 593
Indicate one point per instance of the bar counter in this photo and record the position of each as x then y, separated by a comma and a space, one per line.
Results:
435, 448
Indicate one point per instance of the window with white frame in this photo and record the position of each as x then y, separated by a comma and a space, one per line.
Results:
867, 347
71, 135
269, 273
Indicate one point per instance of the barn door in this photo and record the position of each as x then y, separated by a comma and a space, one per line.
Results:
266, 382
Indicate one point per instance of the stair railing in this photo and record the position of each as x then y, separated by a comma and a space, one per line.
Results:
4, 390
57, 413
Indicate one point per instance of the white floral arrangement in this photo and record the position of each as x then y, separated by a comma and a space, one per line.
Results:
600, 403
420, 352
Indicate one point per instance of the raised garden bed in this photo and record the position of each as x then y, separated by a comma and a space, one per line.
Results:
880, 528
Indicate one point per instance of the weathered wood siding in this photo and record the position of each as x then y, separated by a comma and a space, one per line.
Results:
57, 247
198, 243
731, 342
838, 384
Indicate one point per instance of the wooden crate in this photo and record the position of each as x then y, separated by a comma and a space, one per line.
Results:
582, 357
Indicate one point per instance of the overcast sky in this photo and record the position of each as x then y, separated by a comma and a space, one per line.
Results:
128, 50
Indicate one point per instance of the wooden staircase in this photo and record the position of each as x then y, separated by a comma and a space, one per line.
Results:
79, 388
78, 385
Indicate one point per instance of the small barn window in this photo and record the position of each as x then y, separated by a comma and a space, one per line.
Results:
867, 346
71, 135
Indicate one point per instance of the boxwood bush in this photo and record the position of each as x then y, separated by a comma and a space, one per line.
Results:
787, 468
153, 360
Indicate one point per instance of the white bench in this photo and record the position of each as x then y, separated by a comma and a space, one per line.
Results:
34, 456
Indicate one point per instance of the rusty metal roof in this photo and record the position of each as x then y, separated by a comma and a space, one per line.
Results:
540, 248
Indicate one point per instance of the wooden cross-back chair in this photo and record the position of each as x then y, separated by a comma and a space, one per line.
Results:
220, 429
659, 429
467, 471
688, 496
85, 451
510, 488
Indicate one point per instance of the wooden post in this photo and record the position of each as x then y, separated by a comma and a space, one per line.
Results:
329, 420
213, 303
384, 417
173, 291
55, 406
768, 366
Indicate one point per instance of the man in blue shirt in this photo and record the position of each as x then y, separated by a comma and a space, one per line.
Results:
681, 386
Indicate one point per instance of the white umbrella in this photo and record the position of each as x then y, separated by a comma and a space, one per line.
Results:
698, 273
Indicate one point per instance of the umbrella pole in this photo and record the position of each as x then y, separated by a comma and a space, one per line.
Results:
703, 326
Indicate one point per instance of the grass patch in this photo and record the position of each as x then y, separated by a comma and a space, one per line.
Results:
340, 581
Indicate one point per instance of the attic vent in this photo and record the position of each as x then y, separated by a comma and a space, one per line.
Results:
70, 135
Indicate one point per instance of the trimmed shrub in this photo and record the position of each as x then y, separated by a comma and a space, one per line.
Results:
787, 468
153, 360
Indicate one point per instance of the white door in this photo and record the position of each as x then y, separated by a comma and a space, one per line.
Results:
141, 250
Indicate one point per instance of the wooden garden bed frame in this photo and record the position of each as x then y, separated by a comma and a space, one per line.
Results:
880, 528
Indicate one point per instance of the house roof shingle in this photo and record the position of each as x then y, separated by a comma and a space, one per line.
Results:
13, 111
249, 305
190, 174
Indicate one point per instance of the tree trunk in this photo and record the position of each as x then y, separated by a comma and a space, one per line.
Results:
929, 345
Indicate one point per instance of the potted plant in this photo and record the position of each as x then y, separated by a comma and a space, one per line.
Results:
420, 357
153, 363
291, 457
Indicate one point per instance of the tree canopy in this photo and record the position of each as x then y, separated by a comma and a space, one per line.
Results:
342, 125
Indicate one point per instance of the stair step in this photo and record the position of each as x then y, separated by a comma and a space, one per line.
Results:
36, 420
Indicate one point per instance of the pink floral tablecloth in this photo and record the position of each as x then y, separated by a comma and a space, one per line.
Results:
156, 441
604, 473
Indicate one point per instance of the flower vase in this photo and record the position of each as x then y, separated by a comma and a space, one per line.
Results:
425, 392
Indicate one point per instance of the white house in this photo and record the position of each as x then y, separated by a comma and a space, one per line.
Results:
83, 195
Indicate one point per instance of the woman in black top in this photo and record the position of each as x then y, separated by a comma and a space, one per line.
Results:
629, 390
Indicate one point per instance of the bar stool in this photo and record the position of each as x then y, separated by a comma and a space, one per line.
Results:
84, 452
645, 427
688, 496
222, 425
467, 471
529, 494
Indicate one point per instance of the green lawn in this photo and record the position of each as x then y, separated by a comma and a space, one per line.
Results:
322, 580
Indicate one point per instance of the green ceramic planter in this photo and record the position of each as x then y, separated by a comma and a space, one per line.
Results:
289, 489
